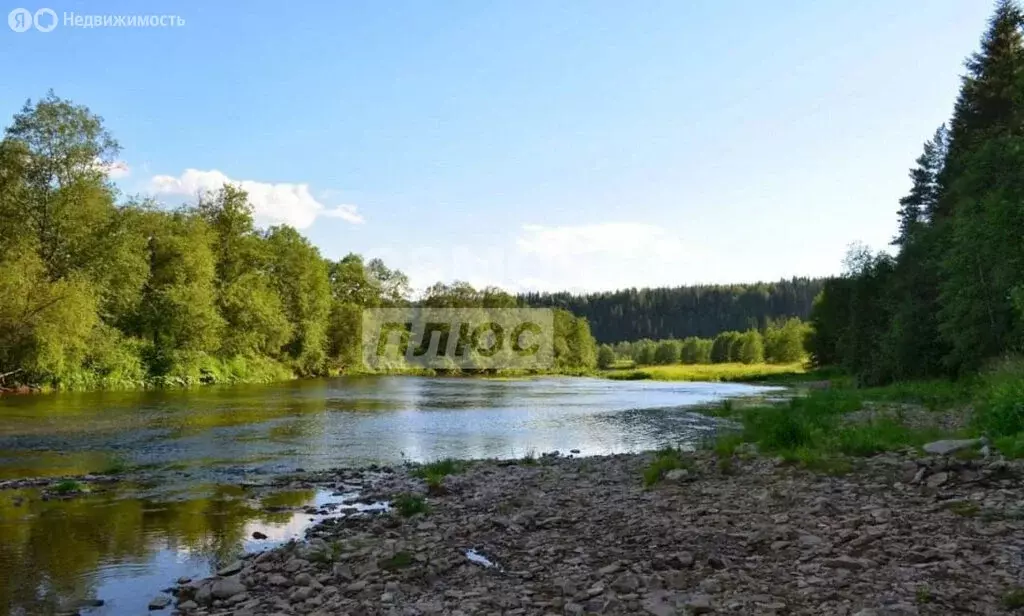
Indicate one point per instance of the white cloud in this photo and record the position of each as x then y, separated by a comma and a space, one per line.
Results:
588, 257
291, 204
345, 212
115, 170
625, 239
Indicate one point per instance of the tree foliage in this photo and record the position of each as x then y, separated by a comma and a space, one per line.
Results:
945, 304
97, 293
100, 293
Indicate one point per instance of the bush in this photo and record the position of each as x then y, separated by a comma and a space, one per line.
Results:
1011, 446
999, 408
643, 352
751, 347
696, 351
605, 357
667, 352
722, 347
784, 342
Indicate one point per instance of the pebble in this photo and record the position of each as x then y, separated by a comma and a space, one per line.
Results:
585, 536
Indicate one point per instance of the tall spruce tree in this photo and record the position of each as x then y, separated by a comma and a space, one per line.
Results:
911, 345
978, 220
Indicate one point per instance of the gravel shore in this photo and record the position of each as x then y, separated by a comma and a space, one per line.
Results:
901, 534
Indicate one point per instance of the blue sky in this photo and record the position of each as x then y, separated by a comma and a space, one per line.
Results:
531, 144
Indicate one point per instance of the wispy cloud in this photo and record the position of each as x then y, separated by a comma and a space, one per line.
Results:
115, 170
626, 239
587, 257
273, 203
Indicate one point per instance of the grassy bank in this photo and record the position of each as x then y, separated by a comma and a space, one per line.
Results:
822, 426
705, 372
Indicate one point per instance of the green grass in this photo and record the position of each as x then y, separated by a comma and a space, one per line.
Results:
665, 460
933, 395
870, 438
409, 505
704, 372
1014, 600
439, 468
726, 444
810, 431
68, 486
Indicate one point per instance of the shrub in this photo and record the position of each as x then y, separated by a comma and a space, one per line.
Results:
999, 408
751, 347
1011, 446
667, 352
409, 505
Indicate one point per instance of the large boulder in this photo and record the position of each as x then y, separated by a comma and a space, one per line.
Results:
947, 447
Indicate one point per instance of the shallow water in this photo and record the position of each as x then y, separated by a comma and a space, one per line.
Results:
123, 544
123, 548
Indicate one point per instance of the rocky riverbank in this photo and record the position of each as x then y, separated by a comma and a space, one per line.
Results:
901, 534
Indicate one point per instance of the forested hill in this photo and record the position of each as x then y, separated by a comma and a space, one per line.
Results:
678, 312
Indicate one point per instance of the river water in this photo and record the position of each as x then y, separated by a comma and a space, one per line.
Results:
124, 543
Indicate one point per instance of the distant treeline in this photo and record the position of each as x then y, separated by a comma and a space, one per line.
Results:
96, 292
703, 310
952, 299
781, 342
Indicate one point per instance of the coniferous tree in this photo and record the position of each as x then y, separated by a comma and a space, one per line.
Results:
979, 220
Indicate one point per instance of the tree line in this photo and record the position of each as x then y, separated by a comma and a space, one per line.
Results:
99, 291
952, 297
680, 312
780, 342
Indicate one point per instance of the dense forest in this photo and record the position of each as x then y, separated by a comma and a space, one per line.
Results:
703, 311
951, 300
101, 291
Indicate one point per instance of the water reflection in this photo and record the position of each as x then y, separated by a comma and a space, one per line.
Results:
61, 554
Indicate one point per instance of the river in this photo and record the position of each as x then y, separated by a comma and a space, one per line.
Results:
123, 543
